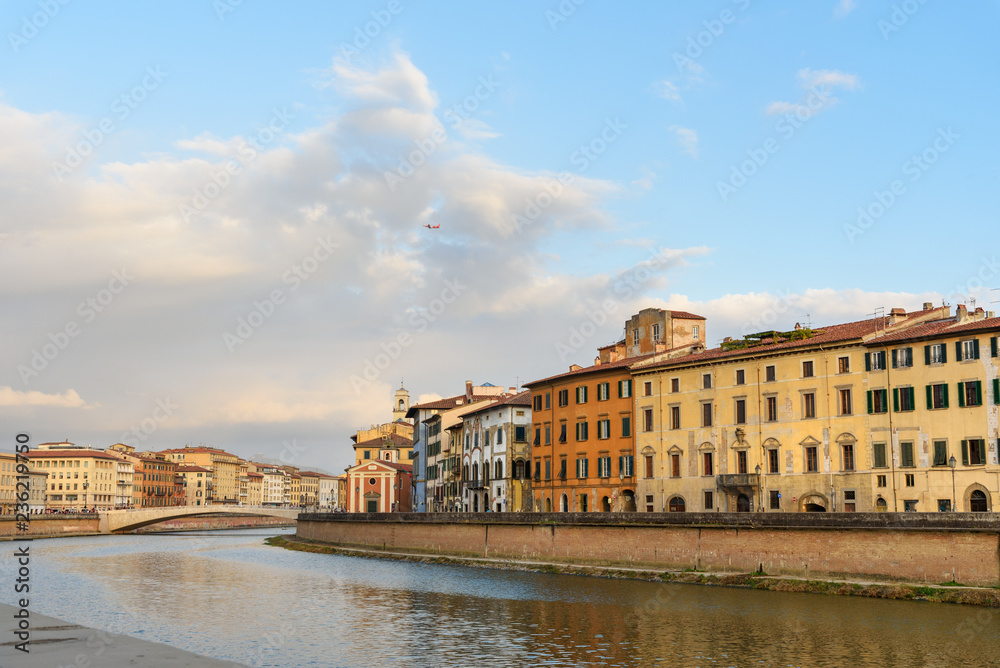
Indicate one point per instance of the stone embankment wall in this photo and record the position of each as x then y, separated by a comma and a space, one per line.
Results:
216, 523
50, 525
913, 547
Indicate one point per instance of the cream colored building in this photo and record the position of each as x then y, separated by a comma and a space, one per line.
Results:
78, 478
255, 488
243, 491
828, 419
328, 497
226, 479
37, 488
196, 481
8, 482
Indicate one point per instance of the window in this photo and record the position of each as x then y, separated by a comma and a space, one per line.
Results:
974, 452
647, 389
604, 467
648, 465
775, 498
581, 394
880, 481
675, 417
706, 462
741, 411
624, 389
769, 373
582, 466
846, 406
878, 401
548, 400
848, 450
626, 427
649, 503
811, 461
694, 332
647, 419
675, 505
875, 361
562, 432
906, 454
603, 429
626, 466
537, 403
843, 365
902, 358
563, 397
807, 369
935, 354
903, 399
940, 453
970, 393
772, 460
741, 461
944, 505
809, 405
656, 331
603, 391
635, 337
537, 441
368, 455
675, 384
675, 466
967, 350
937, 396
706, 381
562, 468
706, 414
772, 408
548, 435
741, 377
878, 456
910, 480
709, 501
581, 431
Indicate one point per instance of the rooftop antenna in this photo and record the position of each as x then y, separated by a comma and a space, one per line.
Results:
808, 321
879, 316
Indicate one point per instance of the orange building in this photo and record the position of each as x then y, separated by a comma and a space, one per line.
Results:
583, 443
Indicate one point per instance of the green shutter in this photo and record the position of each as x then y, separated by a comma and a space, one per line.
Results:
958, 351
961, 395
979, 393
996, 390
930, 397
868, 363
621, 471
927, 355
913, 398
895, 399
619, 389
945, 389
993, 347
965, 453
870, 402
975, 348
895, 361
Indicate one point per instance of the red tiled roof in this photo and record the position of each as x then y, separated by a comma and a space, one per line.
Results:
519, 399
937, 329
70, 454
596, 368
396, 440
252, 474
408, 468
191, 469
314, 474
200, 448
684, 315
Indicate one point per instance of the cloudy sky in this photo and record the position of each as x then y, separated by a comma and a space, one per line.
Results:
211, 227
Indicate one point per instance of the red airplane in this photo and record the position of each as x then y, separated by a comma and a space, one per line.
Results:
432, 227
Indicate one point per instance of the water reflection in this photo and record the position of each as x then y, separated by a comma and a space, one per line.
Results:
227, 595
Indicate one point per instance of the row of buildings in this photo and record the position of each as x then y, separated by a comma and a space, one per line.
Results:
66, 476
898, 412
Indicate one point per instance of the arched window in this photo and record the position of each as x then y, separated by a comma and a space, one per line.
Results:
564, 504
499, 436
675, 505
881, 506
499, 470
977, 502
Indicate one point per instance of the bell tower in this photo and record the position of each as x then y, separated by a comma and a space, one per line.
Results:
400, 403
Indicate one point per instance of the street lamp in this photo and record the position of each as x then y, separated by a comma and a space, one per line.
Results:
85, 486
760, 489
952, 463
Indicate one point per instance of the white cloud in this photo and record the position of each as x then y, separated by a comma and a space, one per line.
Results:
687, 138
819, 86
667, 91
68, 399
828, 78
843, 8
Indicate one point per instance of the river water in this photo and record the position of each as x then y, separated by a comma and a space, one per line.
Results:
227, 595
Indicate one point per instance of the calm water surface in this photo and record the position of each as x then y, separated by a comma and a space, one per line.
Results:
227, 595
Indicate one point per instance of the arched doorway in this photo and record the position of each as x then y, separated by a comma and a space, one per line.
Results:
675, 505
881, 506
978, 502
606, 504
564, 504
743, 503
475, 503
548, 505
813, 503
814, 508
628, 501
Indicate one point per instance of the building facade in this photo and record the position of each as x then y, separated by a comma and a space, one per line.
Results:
78, 478
226, 478
379, 486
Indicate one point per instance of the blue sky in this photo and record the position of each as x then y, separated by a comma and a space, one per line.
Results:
777, 247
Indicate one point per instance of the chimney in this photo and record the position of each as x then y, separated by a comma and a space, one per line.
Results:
575, 367
597, 360
797, 327
468, 390
928, 306
963, 313
898, 311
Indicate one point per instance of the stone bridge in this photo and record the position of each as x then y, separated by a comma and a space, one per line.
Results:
118, 521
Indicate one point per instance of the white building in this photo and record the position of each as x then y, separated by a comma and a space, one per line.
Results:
493, 436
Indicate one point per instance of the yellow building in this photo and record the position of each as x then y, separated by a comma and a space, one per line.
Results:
805, 420
78, 478
8, 482
243, 490
255, 488
225, 468
196, 481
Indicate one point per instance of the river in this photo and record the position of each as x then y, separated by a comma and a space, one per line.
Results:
227, 595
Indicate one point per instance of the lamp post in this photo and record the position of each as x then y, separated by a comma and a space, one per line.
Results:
760, 489
85, 486
952, 463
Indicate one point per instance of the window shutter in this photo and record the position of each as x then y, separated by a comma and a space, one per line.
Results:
927, 355
965, 453
930, 397
958, 351
944, 354
945, 390
619, 389
975, 348
870, 402
868, 363
996, 390
621, 470
993, 347
895, 359
979, 393
961, 395
895, 399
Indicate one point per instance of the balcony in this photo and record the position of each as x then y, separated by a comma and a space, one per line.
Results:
737, 480
474, 484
